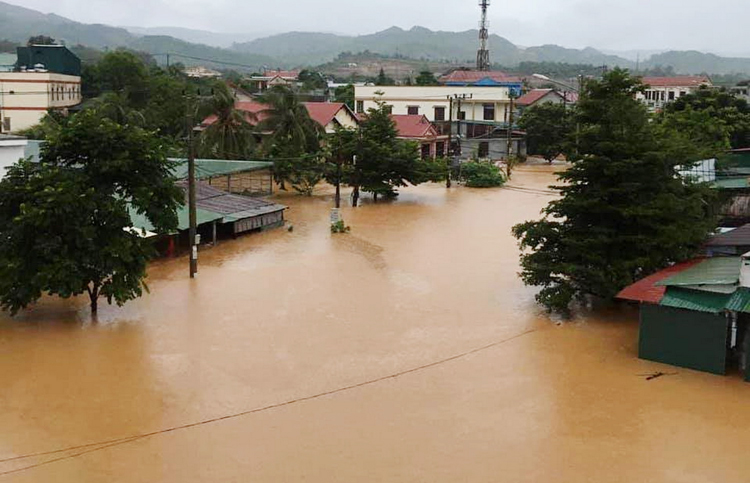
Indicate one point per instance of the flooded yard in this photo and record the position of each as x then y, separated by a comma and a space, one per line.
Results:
406, 351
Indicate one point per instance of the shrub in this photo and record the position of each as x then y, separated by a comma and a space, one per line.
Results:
481, 174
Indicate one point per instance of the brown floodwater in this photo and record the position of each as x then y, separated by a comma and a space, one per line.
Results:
488, 387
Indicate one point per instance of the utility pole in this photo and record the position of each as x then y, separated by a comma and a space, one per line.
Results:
192, 209
450, 142
509, 161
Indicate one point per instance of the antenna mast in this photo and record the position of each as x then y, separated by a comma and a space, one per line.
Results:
483, 55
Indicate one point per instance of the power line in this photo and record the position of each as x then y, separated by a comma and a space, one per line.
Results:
121, 441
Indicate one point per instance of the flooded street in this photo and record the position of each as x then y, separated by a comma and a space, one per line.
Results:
406, 351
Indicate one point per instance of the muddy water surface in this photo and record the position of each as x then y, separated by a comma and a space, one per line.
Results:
283, 316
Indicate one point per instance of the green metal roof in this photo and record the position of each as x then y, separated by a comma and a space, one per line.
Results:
207, 168
699, 301
732, 183
712, 271
183, 218
740, 301
709, 302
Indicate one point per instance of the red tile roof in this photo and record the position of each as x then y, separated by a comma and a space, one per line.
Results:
646, 290
248, 106
413, 126
472, 76
324, 112
677, 81
533, 96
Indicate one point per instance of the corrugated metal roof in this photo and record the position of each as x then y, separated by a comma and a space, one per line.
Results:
740, 301
699, 301
206, 168
737, 237
213, 205
646, 290
711, 271
709, 302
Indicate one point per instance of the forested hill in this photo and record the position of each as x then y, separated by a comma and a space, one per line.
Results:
17, 24
416, 43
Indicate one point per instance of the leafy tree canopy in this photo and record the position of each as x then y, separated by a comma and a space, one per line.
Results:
548, 128
65, 221
712, 118
623, 213
426, 78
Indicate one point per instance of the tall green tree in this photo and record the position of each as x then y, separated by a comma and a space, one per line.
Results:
345, 94
386, 163
712, 118
623, 213
548, 129
123, 71
294, 142
65, 221
384, 80
232, 134
426, 78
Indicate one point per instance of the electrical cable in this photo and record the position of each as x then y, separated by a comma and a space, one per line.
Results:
120, 441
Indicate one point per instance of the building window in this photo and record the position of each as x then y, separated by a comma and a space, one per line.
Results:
360, 107
489, 112
671, 95
484, 149
412, 110
6, 124
440, 114
440, 150
461, 115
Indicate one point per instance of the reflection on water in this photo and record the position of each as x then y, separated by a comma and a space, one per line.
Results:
283, 315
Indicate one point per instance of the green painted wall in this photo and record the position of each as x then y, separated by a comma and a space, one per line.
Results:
684, 338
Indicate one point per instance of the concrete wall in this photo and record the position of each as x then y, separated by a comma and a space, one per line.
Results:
10, 152
25, 97
427, 98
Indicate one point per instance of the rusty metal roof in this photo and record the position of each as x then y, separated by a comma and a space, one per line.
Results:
646, 290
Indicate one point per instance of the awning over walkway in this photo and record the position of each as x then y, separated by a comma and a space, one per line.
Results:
211, 168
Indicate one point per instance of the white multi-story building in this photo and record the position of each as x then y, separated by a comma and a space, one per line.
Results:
25, 97
663, 90
44, 77
491, 104
480, 115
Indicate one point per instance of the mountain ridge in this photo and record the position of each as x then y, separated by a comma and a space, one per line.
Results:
308, 49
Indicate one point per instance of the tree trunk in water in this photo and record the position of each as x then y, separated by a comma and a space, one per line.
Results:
375, 197
355, 197
94, 296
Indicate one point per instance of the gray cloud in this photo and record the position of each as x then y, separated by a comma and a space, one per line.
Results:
605, 24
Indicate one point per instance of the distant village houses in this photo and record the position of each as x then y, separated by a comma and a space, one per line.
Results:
472, 108
200, 72
271, 78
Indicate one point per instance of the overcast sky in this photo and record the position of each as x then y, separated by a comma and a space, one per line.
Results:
718, 26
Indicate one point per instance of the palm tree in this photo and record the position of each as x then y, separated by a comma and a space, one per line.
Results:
231, 135
295, 138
